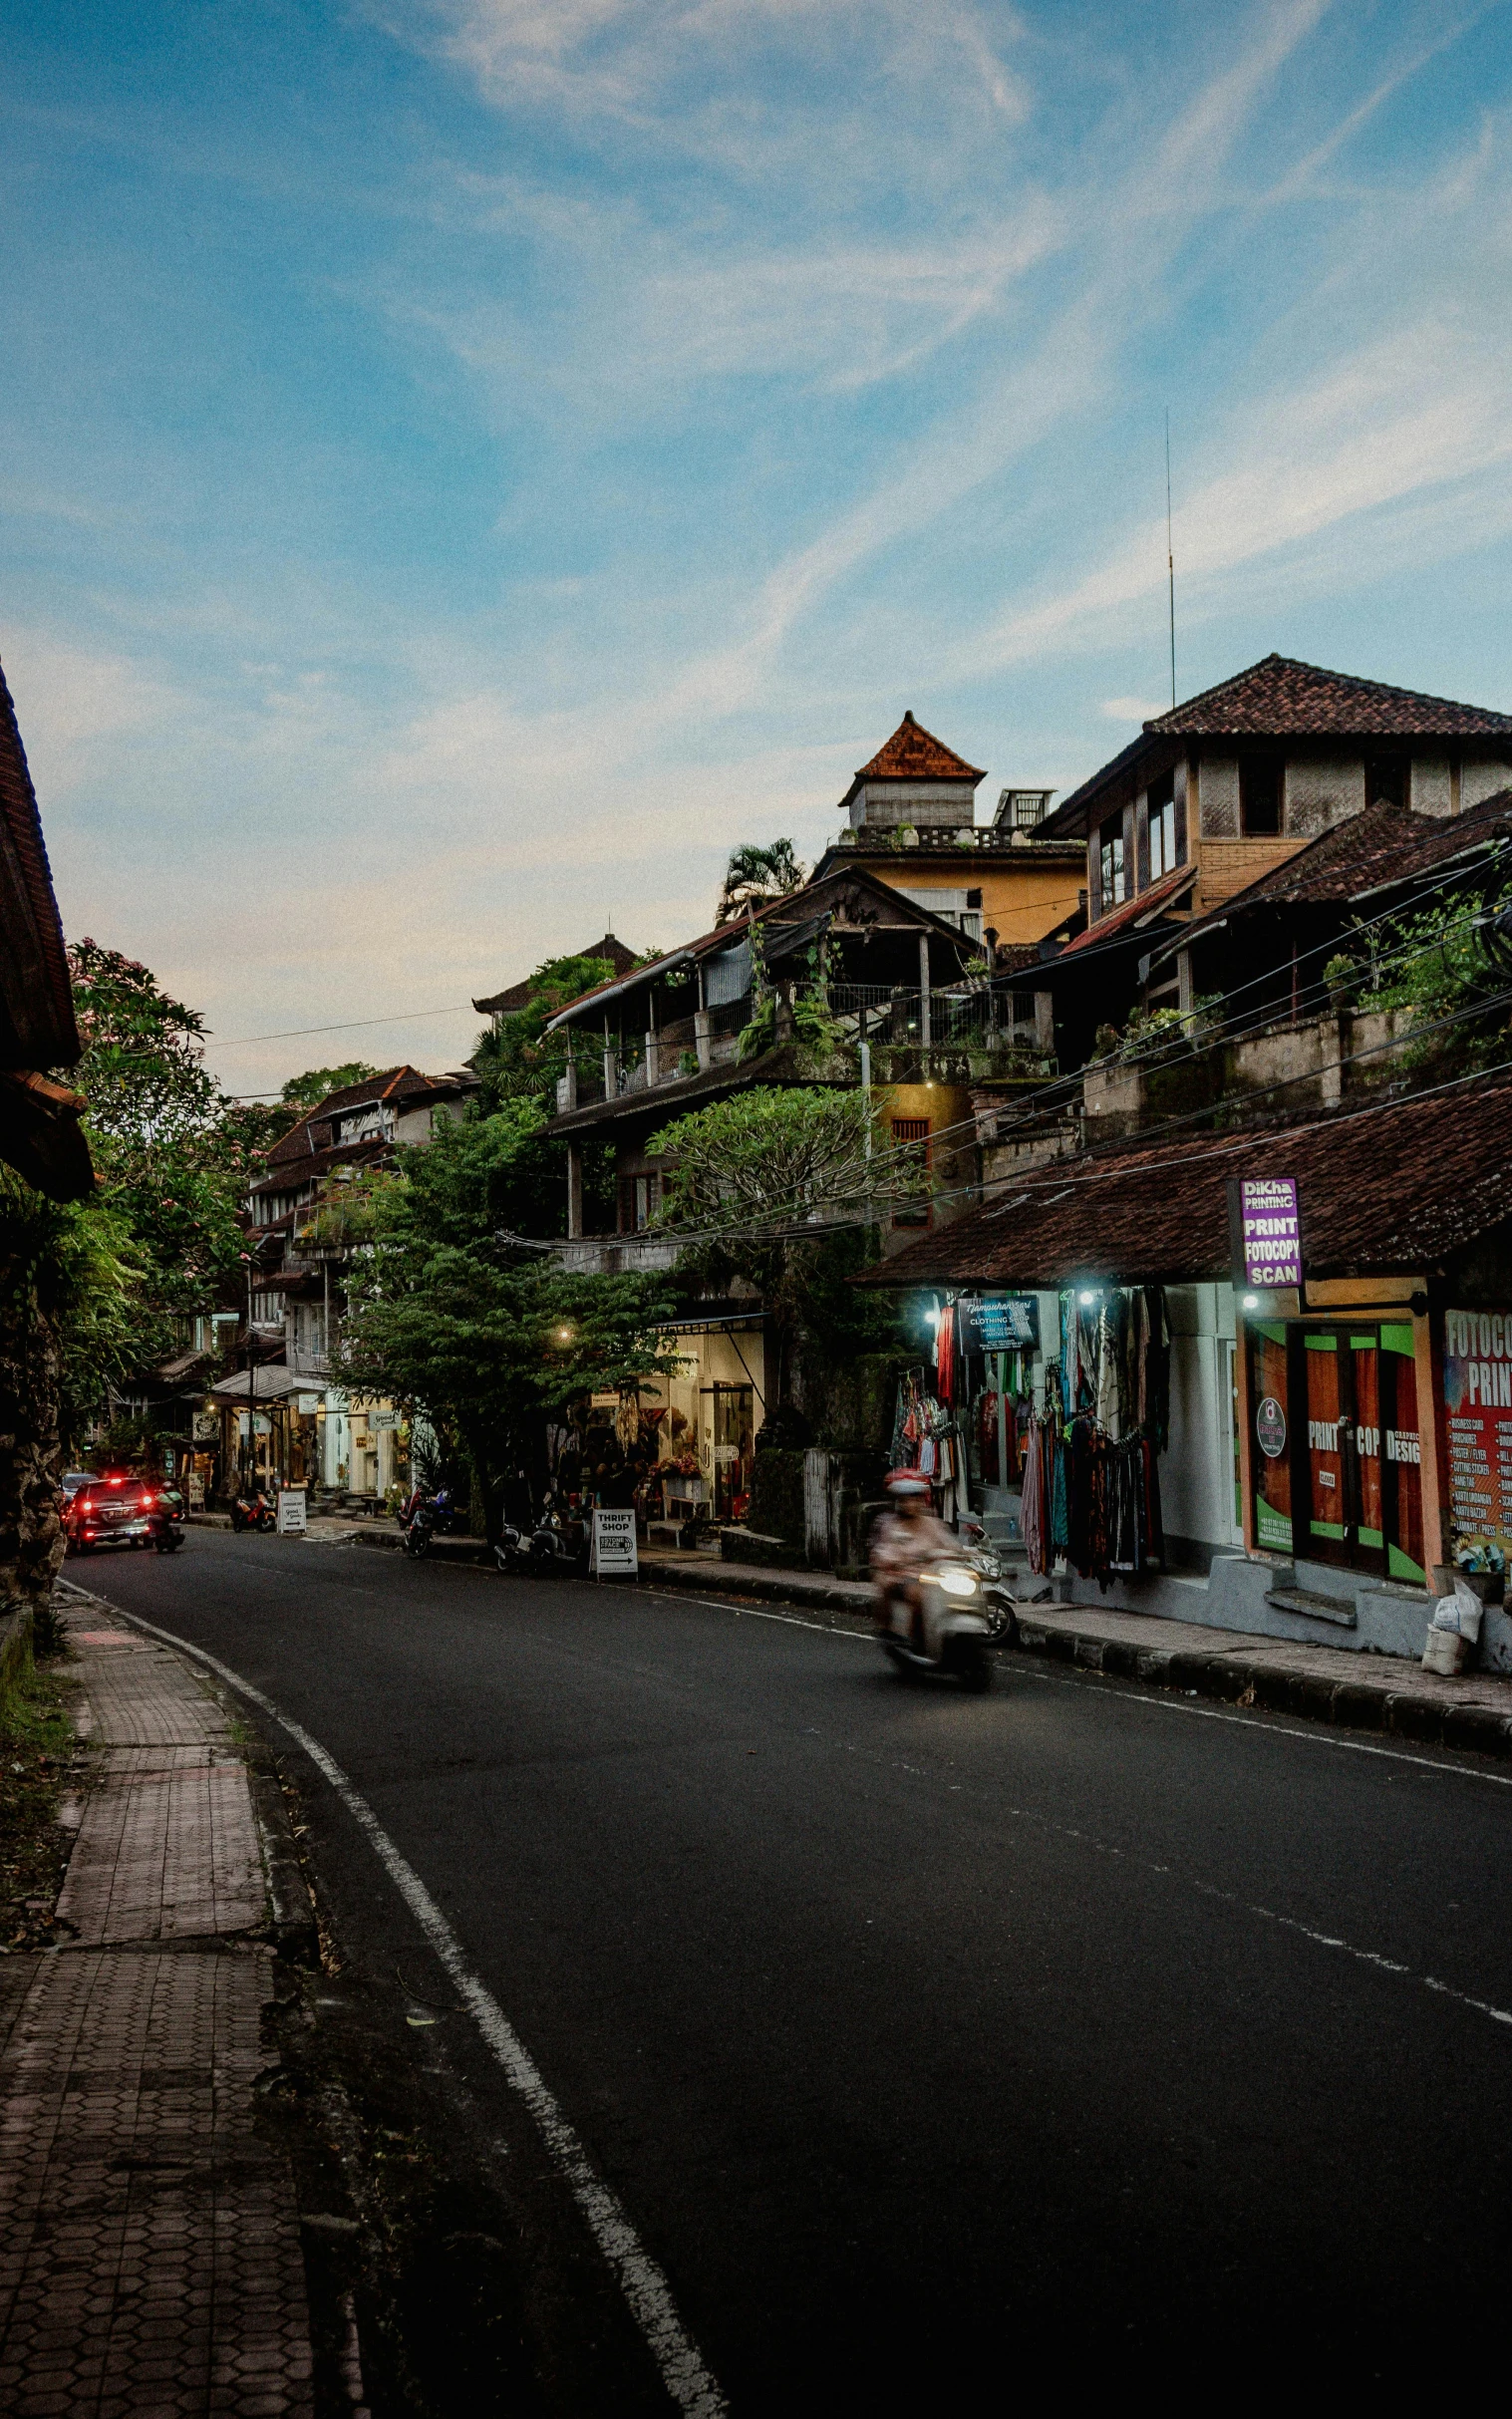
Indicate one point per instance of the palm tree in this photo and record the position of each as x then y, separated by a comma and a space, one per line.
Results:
756, 874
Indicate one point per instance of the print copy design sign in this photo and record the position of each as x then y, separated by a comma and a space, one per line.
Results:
1270, 1231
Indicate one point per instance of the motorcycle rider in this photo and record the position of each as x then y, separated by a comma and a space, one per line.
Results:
905, 1542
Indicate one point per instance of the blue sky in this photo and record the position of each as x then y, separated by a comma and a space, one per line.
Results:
467, 463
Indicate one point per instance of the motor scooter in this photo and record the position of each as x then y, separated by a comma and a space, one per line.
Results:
1000, 1606
252, 1512
950, 1634
555, 1543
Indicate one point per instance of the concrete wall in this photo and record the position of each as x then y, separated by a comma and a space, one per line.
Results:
1196, 1473
1432, 791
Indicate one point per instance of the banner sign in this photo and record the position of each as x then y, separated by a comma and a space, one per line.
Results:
291, 1511
613, 1547
1265, 1224
997, 1323
1478, 1409
206, 1427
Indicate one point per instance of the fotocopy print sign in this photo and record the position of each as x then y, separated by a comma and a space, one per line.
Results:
1265, 1223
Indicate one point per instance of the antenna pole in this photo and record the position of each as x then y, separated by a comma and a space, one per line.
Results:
1170, 559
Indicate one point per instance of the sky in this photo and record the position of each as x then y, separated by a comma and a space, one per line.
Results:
466, 464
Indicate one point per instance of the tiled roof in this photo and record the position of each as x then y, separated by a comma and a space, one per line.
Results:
1394, 1188
1279, 698
508, 1003
302, 1167
37, 1027
396, 1086
915, 755
1163, 893
1382, 848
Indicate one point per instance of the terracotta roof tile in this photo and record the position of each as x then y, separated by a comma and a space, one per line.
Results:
1392, 1188
915, 755
1163, 893
508, 1003
1280, 698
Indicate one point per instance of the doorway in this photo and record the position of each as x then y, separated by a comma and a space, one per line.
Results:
733, 1445
1338, 1474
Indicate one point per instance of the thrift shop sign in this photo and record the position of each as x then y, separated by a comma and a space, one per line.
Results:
612, 1546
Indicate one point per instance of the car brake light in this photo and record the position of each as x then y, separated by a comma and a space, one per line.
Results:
112, 1482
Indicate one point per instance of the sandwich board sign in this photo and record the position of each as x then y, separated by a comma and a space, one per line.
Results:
612, 1549
291, 1511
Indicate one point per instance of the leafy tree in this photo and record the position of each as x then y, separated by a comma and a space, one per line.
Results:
309, 1089
66, 1329
754, 875
1449, 962
172, 1161
520, 1059
779, 1186
447, 1319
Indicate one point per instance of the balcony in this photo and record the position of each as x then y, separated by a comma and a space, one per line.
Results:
970, 1031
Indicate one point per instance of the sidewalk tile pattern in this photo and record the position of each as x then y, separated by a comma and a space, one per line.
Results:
150, 2247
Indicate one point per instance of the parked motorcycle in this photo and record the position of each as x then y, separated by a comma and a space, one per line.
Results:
252, 1511
952, 1634
422, 1516
554, 1542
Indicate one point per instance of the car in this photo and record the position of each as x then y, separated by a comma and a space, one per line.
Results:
115, 1510
73, 1480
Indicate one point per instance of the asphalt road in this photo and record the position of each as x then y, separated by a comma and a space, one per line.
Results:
936, 2047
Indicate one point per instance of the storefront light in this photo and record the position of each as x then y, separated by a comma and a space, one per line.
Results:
1250, 1302
1089, 1295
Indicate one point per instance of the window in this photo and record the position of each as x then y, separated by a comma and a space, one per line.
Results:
1261, 789
1110, 861
1162, 825
915, 1131
640, 1197
1385, 780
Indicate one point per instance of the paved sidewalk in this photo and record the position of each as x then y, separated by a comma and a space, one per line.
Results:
149, 2246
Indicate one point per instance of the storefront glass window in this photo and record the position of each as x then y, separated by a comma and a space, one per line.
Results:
1335, 1453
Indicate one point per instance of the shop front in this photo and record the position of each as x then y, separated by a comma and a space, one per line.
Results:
1337, 1442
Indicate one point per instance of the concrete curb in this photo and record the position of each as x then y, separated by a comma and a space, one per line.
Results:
1400, 1711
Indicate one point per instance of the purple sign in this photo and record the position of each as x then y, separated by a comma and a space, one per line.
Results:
1270, 1232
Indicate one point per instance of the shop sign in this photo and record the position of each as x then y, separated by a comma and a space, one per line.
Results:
291, 1511
997, 1323
1271, 1428
206, 1426
385, 1423
307, 1405
1478, 1411
1265, 1223
194, 1489
612, 1549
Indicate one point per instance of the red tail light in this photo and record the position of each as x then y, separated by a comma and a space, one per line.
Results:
148, 1502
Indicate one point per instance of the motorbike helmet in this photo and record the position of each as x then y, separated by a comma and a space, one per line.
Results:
906, 1482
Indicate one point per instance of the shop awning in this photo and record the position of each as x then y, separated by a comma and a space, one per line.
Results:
272, 1385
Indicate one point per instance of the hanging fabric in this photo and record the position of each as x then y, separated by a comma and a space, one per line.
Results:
1032, 1515
945, 1354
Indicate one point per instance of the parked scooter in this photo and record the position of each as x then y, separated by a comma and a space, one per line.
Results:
555, 1543
422, 1516
252, 1511
952, 1634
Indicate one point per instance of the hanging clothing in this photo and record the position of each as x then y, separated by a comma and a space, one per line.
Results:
945, 1354
1032, 1515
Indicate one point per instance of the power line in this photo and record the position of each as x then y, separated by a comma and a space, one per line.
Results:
303, 1033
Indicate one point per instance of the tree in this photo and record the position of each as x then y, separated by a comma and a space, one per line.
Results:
66, 1329
518, 1060
447, 1319
754, 875
779, 1186
309, 1089
173, 1156
1447, 971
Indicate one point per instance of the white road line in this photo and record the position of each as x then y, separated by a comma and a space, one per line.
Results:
1131, 1694
641, 2280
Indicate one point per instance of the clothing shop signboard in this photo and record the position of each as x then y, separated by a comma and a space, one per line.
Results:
997, 1323
1265, 1222
1478, 1416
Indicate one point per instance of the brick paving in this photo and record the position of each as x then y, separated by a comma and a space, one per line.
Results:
150, 2247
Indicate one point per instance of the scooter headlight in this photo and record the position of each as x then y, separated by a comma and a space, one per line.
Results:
958, 1583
